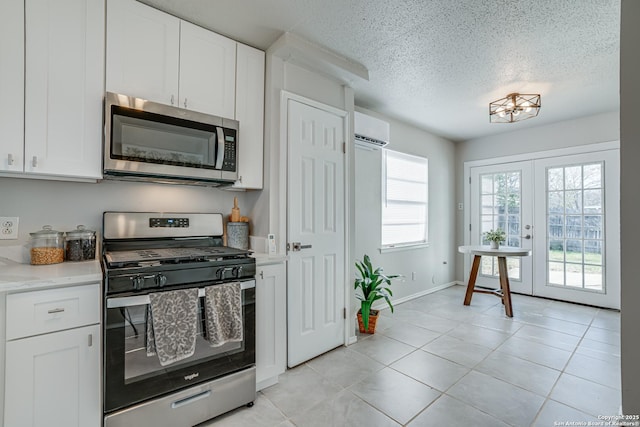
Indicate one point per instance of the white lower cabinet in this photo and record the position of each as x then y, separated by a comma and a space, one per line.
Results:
53, 379
271, 323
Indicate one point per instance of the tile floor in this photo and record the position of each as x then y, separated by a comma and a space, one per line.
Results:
435, 362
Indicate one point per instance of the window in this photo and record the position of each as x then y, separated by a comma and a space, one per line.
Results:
404, 200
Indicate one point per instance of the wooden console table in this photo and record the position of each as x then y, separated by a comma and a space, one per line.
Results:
504, 293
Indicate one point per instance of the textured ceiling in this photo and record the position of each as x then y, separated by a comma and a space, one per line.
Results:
438, 63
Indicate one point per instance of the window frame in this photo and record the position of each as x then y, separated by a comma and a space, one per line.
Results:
400, 246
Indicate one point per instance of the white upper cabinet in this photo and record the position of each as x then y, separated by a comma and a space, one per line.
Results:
207, 71
158, 57
64, 74
143, 48
12, 85
52, 80
250, 113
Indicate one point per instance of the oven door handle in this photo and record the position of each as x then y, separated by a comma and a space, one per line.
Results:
131, 301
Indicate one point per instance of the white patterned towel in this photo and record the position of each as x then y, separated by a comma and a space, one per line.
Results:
172, 325
224, 313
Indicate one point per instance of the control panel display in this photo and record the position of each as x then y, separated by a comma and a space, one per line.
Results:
169, 222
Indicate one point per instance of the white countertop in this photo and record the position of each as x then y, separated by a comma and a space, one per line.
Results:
266, 259
26, 277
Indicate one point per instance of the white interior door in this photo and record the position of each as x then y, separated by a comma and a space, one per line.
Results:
316, 232
577, 249
502, 197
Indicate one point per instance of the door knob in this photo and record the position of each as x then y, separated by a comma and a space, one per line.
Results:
297, 246
528, 236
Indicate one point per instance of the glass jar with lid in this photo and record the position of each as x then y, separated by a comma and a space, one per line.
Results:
47, 246
80, 244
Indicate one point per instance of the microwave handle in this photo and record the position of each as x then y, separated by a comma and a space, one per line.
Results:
220, 148
144, 299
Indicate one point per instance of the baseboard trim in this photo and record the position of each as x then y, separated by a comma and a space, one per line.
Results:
383, 305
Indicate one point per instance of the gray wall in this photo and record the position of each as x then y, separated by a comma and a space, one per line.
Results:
428, 263
586, 130
64, 205
630, 203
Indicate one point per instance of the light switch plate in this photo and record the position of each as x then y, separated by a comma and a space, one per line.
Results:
8, 227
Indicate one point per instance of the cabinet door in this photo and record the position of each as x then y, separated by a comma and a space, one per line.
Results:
11, 85
64, 87
250, 114
271, 321
207, 71
142, 52
53, 380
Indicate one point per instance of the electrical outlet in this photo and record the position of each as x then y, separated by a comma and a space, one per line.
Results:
8, 227
460, 206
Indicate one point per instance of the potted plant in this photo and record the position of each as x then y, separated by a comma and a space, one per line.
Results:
495, 237
371, 286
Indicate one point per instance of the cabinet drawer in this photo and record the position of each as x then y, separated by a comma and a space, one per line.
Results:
38, 312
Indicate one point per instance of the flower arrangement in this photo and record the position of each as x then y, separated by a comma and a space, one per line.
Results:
495, 237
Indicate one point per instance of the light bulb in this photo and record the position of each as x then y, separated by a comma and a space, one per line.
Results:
527, 106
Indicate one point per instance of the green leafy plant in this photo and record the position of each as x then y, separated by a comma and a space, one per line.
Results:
372, 285
497, 235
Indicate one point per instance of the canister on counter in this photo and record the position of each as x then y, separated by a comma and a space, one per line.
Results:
47, 246
80, 244
238, 235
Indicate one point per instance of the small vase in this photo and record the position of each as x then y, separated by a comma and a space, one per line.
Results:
494, 244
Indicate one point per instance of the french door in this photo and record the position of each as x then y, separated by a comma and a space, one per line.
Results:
502, 198
577, 221
566, 210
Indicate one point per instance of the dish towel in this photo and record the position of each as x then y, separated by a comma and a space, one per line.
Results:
172, 325
223, 305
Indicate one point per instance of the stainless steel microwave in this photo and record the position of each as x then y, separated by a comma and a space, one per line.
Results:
155, 142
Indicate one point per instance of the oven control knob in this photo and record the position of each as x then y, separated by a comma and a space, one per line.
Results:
138, 282
221, 273
237, 271
161, 279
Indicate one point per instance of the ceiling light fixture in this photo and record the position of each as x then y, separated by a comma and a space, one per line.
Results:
515, 107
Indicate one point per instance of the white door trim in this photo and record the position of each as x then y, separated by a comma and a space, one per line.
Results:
285, 97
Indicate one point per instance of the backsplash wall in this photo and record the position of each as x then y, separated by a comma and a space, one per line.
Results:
65, 205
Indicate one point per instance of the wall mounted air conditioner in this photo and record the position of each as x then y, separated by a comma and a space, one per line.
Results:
370, 131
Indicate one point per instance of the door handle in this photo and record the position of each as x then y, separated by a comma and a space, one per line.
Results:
297, 246
528, 236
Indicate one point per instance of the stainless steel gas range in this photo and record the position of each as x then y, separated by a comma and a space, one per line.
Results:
179, 320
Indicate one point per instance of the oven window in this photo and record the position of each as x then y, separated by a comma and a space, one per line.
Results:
131, 376
153, 138
139, 366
